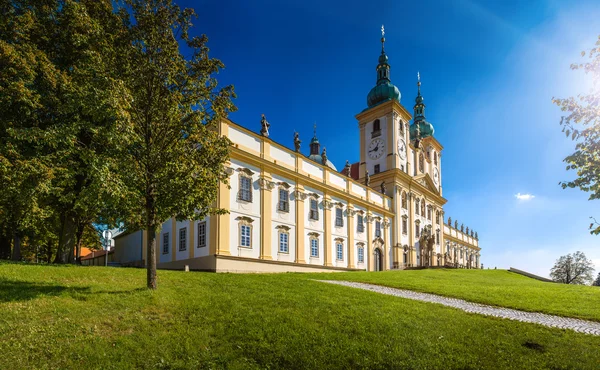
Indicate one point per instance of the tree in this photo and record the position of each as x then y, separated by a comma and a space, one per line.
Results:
172, 157
61, 100
597, 281
572, 269
582, 125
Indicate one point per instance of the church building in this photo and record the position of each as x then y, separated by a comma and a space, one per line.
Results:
293, 212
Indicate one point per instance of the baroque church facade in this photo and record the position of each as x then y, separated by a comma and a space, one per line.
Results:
292, 212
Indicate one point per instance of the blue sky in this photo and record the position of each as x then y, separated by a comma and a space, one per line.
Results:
489, 71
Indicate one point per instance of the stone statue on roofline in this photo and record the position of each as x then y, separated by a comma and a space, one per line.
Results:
450, 221
324, 157
367, 179
347, 168
456, 224
462, 228
297, 141
383, 188
467, 230
264, 131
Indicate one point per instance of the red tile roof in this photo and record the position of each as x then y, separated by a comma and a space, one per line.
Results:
353, 171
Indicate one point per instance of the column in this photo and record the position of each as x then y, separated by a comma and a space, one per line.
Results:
266, 185
369, 252
386, 243
300, 197
327, 226
191, 237
412, 258
350, 228
219, 224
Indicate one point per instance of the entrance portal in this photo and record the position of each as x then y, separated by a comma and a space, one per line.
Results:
378, 260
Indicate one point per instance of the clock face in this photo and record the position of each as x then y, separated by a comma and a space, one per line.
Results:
376, 148
436, 176
402, 149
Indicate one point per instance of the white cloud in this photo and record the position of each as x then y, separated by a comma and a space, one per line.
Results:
524, 197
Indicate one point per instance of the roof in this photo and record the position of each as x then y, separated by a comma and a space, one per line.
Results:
96, 254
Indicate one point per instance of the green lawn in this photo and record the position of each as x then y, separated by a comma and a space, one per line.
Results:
495, 287
96, 317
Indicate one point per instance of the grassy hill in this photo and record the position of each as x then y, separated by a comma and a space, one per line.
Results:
95, 317
494, 287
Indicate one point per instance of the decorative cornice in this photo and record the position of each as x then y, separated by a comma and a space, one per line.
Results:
283, 227
316, 235
339, 240
300, 195
229, 171
245, 219
328, 203
245, 170
284, 185
266, 184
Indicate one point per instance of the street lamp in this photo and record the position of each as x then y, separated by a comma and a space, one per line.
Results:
107, 237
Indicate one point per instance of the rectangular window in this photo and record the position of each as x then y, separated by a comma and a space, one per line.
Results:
314, 248
377, 229
361, 254
245, 231
314, 210
437, 237
340, 251
376, 169
360, 226
417, 230
429, 213
404, 226
339, 219
202, 234
182, 239
417, 207
245, 193
284, 200
283, 242
166, 243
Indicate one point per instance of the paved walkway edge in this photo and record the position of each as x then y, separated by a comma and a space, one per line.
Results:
552, 321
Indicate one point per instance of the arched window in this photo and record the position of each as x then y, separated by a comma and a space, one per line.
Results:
421, 163
377, 125
339, 247
361, 253
404, 200
417, 208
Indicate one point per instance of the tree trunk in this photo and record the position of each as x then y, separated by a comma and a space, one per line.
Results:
16, 255
49, 252
79, 238
4, 246
66, 241
151, 247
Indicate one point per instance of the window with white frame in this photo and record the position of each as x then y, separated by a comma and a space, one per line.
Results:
284, 200
314, 247
245, 192
166, 243
404, 225
339, 251
339, 217
417, 229
361, 254
437, 237
202, 234
360, 225
182, 239
377, 229
245, 236
284, 238
314, 209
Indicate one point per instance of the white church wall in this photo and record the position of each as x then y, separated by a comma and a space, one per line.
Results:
358, 190
313, 226
182, 254
244, 140
283, 157
202, 251
312, 170
239, 208
337, 180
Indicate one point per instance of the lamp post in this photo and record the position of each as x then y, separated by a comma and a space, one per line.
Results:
107, 237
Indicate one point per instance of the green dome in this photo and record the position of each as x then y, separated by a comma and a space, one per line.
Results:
381, 93
425, 127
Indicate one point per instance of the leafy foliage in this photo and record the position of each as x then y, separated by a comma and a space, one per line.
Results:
573, 269
172, 154
597, 281
582, 125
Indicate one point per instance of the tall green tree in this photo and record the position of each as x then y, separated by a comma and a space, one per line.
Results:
597, 281
63, 100
173, 157
582, 125
573, 269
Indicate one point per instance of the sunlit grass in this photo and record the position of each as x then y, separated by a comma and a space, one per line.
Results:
103, 318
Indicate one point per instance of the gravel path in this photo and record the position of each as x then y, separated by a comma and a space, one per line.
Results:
581, 326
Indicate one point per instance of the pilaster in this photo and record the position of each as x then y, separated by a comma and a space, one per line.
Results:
266, 210
300, 197
191, 237
219, 225
369, 251
386, 243
350, 254
327, 205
